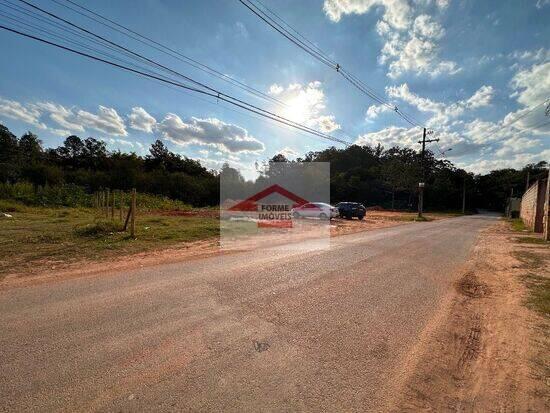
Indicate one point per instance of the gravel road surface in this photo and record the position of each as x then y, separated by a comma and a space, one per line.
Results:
283, 330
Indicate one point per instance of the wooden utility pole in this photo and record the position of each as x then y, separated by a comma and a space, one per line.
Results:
133, 216
422, 184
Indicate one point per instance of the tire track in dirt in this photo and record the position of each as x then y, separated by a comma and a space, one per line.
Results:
480, 357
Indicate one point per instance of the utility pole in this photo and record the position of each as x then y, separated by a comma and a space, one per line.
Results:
422, 184
527, 182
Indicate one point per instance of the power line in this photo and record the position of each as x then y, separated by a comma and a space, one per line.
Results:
126, 31
514, 121
319, 56
167, 50
313, 50
113, 25
225, 98
164, 68
543, 123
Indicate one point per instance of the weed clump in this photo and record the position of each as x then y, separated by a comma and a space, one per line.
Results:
98, 229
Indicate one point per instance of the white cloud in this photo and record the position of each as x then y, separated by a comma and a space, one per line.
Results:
107, 120
213, 132
374, 110
538, 55
288, 152
517, 160
141, 120
396, 12
443, 112
532, 85
410, 42
391, 136
241, 29
424, 26
327, 123
276, 89
61, 115
305, 104
482, 97
409, 137
15, 110
414, 53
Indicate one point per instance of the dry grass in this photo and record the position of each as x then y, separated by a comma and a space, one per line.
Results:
49, 237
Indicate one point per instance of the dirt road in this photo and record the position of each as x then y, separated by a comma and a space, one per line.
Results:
330, 330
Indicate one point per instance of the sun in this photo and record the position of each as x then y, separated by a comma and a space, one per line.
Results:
297, 109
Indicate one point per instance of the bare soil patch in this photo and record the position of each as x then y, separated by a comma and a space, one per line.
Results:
491, 351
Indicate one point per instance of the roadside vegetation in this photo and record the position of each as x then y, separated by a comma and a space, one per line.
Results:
48, 195
372, 175
45, 237
534, 253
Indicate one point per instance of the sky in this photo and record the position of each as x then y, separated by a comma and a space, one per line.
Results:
477, 73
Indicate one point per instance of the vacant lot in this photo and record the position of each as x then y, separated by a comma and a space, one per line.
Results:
35, 240
44, 238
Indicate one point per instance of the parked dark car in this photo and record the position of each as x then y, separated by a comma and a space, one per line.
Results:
349, 210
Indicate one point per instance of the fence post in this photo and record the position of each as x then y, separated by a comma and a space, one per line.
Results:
107, 198
121, 193
113, 205
133, 216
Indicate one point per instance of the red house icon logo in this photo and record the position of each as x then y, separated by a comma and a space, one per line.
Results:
271, 215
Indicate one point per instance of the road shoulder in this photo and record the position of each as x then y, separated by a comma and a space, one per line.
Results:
489, 352
57, 267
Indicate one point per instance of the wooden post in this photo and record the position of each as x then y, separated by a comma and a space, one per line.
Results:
107, 196
113, 205
133, 216
121, 203
546, 219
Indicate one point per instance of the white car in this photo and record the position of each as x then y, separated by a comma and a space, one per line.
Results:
314, 210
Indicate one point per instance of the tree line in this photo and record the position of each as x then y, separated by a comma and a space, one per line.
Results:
372, 175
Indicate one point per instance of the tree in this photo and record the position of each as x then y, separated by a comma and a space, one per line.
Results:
9, 155
71, 152
30, 147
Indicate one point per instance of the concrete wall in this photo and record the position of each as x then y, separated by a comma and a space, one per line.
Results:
532, 206
529, 206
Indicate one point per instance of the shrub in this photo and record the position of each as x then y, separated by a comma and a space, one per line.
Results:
98, 229
10, 206
60, 195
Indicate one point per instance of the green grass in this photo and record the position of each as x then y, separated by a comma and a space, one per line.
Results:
23, 193
517, 225
539, 297
532, 240
535, 260
530, 259
36, 237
